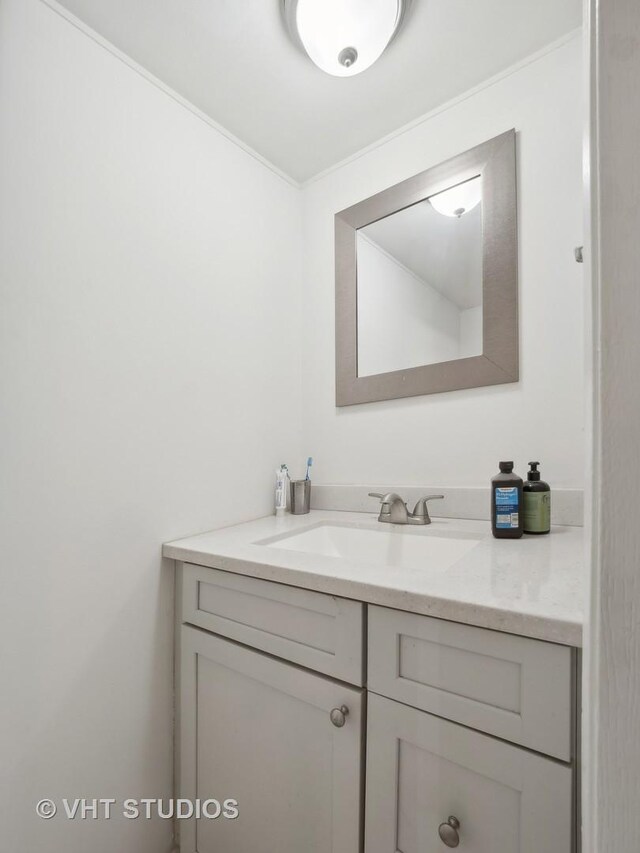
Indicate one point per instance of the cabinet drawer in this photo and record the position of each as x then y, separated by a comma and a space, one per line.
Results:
317, 631
422, 770
516, 688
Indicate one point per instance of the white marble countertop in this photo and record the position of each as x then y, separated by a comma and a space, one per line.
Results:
532, 586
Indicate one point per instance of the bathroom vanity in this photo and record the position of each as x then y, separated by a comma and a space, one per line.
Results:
359, 688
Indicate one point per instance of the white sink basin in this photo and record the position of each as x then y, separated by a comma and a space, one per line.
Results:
407, 547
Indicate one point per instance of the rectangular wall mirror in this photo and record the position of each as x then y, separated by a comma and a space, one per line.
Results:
427, 281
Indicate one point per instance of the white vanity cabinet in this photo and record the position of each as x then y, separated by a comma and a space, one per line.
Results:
433, 783
469, 733
282, 740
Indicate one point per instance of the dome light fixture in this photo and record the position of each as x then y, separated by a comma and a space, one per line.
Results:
344, 37
458, 200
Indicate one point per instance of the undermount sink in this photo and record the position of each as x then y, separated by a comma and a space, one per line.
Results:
402, 547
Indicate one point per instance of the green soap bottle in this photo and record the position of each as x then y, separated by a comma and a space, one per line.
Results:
536, 502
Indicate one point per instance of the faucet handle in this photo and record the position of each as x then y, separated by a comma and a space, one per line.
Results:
421, 510
392, 508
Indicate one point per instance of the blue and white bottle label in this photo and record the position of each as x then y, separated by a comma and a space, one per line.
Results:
507, 508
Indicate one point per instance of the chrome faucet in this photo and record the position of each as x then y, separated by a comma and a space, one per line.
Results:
393, 510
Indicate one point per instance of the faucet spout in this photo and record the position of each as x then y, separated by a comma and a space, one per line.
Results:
393, 510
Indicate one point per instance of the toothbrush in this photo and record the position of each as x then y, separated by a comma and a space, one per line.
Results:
309, 464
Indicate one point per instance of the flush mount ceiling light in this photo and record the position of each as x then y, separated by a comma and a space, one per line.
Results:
344, 37
458, 200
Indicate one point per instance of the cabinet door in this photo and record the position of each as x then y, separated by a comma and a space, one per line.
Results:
258, 730
422, 770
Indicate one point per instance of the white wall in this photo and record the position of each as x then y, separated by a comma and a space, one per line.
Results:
611, 736
458, 438
148, 378
471, 332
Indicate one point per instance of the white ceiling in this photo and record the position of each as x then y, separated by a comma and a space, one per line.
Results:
234, 60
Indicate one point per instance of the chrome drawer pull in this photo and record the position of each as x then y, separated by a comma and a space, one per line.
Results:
448, 832
339, 716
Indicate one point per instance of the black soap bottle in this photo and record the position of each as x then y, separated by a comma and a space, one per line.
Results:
506, 503
536, 502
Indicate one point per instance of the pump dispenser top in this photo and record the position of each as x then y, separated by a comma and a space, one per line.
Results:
533, 474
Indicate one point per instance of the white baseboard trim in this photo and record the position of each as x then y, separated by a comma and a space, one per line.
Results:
567, 505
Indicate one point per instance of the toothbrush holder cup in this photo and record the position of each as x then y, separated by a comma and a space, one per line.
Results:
300, 497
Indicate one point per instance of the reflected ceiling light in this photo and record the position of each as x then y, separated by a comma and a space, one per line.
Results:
344, 37
458, 200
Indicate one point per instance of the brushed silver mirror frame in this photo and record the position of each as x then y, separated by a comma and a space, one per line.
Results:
495, 161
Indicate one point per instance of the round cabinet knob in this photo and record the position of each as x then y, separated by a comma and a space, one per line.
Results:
448, 832
339, 716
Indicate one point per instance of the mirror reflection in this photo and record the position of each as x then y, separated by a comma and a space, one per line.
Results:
419, 283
